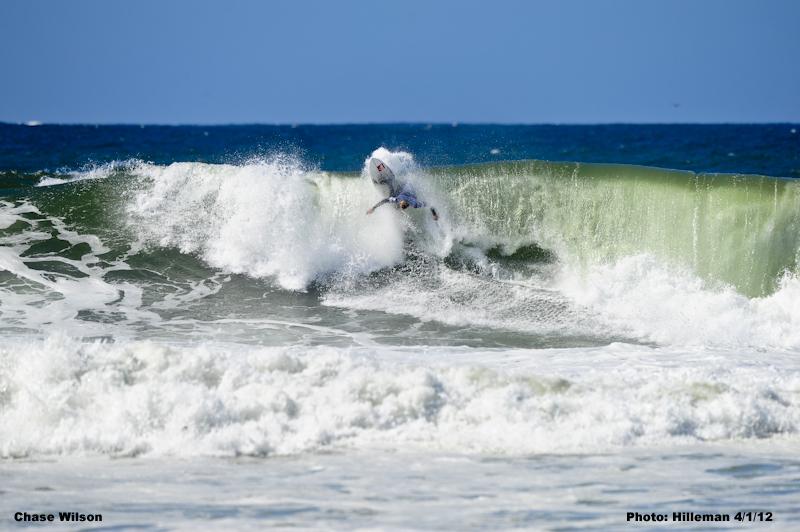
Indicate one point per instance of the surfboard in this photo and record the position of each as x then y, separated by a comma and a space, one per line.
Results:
382, 175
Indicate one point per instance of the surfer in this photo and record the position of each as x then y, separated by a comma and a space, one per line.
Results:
406, 197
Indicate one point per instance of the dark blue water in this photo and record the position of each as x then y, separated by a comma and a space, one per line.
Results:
772, 149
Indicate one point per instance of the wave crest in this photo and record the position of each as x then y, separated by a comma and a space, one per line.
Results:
266, 218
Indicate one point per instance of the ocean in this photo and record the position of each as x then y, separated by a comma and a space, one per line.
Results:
202, 328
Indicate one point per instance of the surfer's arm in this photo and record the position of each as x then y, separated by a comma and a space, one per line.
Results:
381, 202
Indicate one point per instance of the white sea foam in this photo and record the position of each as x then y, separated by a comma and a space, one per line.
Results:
63, 396
10, 213
273, 218
727, 369
39, 295
268, 218
644, 297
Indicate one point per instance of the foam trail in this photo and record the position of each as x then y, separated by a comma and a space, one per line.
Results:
464, 299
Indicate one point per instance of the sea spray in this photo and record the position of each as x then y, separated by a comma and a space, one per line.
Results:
267, 218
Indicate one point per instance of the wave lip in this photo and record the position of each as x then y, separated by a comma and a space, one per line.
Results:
91, 172
735, 230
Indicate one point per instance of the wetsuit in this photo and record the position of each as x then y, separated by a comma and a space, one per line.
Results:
405, 193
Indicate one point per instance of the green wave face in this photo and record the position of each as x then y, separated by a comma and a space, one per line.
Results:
736, 230
741, 230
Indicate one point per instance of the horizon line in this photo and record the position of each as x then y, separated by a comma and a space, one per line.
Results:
38, 123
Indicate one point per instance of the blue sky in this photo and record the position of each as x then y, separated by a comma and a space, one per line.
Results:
299, 61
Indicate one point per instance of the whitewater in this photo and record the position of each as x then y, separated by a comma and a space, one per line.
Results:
569, 341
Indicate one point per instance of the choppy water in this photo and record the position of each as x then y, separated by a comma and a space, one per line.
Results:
215, 300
